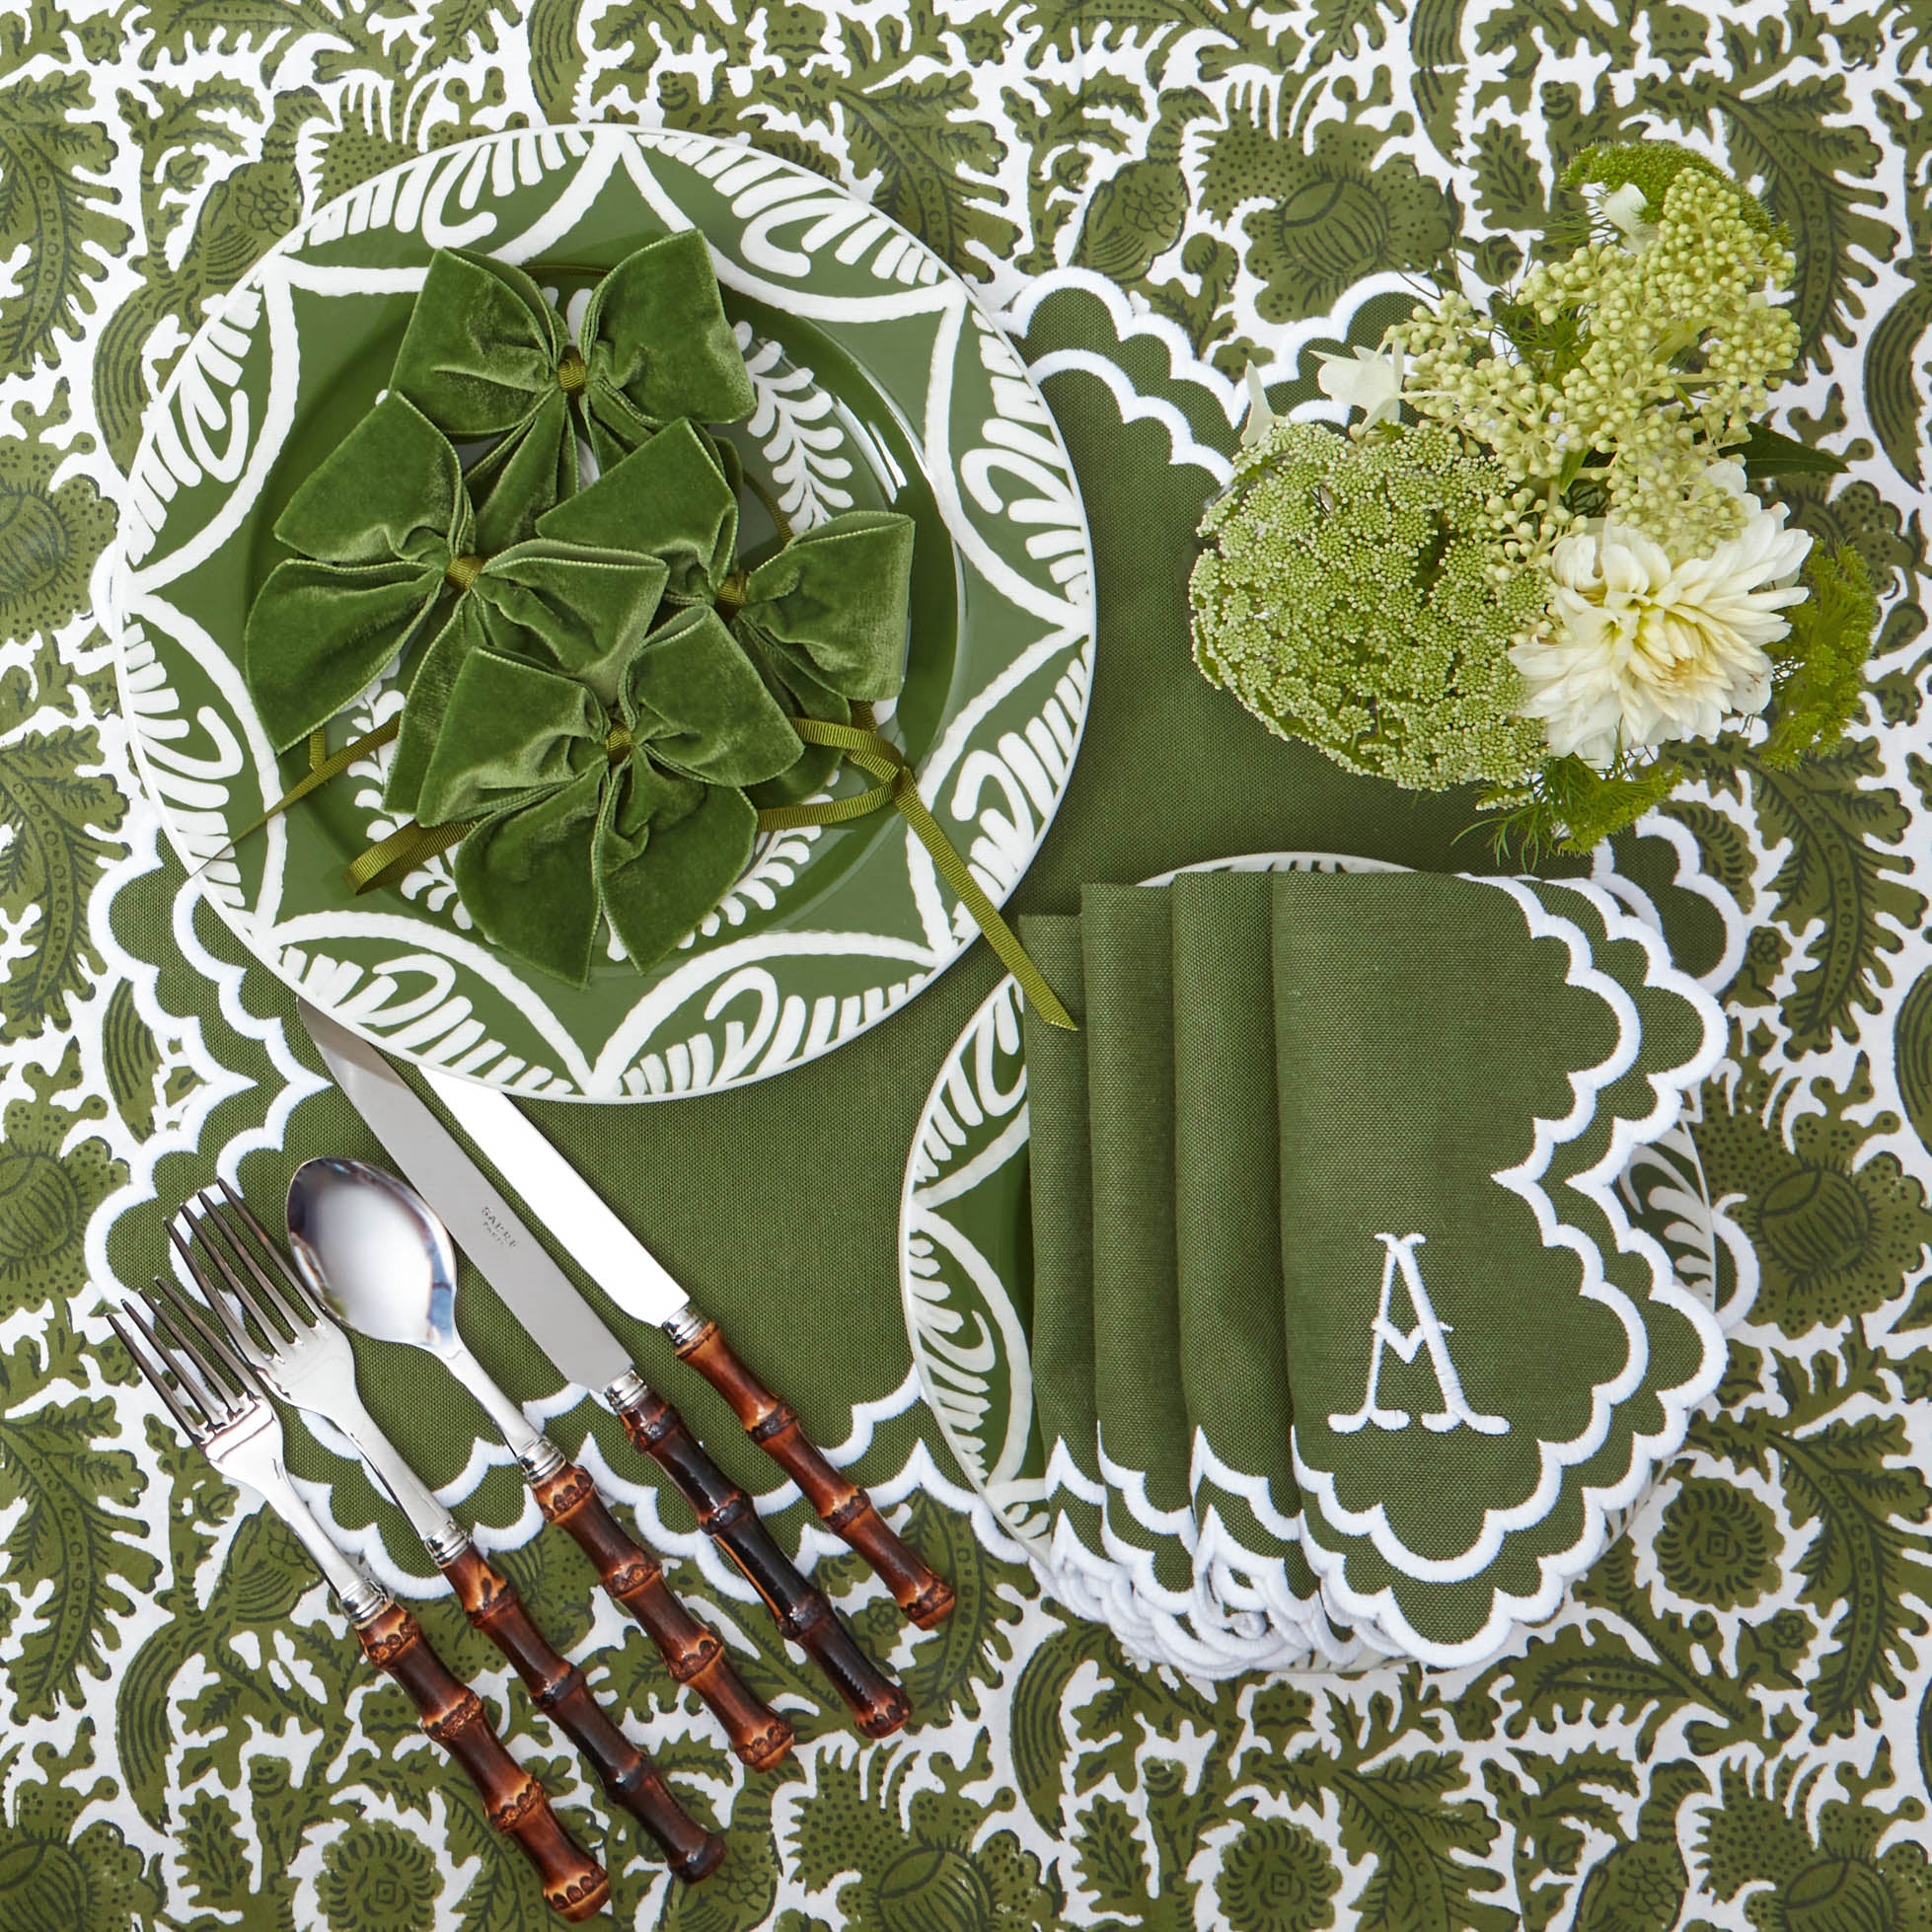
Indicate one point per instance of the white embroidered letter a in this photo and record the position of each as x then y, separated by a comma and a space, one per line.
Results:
1427, 1333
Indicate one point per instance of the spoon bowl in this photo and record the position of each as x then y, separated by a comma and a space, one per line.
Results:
380, 1256
375, 1250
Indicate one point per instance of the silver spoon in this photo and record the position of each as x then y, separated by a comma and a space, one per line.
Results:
376, 1251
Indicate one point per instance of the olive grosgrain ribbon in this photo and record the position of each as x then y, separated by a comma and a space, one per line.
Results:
898, 787
412, 845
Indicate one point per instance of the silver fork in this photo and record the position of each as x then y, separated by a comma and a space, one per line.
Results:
297, 1349
221, 1409
286, 1334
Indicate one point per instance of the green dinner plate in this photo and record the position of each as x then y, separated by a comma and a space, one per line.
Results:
965, 1269
879, 384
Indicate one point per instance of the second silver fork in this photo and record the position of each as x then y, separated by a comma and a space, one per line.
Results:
221, 1409
286, 1334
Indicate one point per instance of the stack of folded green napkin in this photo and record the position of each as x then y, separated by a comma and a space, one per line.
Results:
1341, 1334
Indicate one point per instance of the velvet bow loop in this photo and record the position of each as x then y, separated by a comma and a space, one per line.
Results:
487, 358
824, 619
829, 610
382, 529
632, 812
671, 500
565, 607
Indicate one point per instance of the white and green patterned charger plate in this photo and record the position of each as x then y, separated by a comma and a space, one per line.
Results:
879, 384
965, 1254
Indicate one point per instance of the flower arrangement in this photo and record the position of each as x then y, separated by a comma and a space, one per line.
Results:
1535, 560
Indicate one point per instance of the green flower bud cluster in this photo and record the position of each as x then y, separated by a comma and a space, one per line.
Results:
1356, 594
1631, 368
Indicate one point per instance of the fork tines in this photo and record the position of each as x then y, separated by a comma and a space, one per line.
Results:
206, 1386
226, 1243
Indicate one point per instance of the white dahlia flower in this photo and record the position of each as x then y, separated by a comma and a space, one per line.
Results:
1644, 650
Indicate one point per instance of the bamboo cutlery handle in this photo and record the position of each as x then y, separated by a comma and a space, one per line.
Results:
573, 1883
842, 1505
725, 1513
490, 1603
692, 1654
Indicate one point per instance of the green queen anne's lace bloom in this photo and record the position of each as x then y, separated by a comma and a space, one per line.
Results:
1354, 594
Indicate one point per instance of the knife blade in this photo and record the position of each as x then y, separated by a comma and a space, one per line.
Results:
582, 1348
632, 1277
578, 1340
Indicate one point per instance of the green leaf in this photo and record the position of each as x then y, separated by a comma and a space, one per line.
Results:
1598, 1672
1853, 1478
75, 1530
187, 26
59, 825
1041, 1743
1422, 1843
56, 212
1547, 1802
213, 1857
1820, 676
457, 29
557, 58
1842, 871
1509, 185
184, 132
1768, 452
131, 1058
1111, 1862
1912, 1056
970, 1645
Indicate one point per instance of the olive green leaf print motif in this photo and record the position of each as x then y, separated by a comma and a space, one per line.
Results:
72, 1505
1837, 1230
1759, 1842
1275, 1873
1718, 1544
58, 231
53, 1175
51, 534
1319, 213
940, 1868
1730, 1726
59, 815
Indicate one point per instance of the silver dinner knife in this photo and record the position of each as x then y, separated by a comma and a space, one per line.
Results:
584, 1350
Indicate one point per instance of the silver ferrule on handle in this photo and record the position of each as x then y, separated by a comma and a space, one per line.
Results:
686, 1325
541, 1460
627, 1392
360, 1595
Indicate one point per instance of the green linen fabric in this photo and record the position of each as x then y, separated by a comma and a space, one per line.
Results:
385, 543
1472, 1340
1229, 1212
1303, 1100
1126, 971
824, 617
632, 807
485, 356
1060, 1187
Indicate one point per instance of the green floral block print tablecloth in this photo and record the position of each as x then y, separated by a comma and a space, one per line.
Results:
1731, 1725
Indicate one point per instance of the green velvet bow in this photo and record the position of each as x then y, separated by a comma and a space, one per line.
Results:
632, 809
487, 358
823, 619
387, 543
